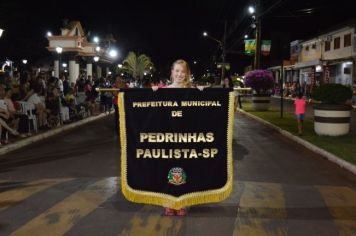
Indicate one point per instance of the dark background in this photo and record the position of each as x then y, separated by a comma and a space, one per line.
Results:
168, 30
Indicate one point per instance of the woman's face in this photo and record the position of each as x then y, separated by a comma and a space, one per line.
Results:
178, 73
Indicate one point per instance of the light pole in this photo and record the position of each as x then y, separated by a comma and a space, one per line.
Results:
24, 62
258, 43
59, 51
223, 50
256, 16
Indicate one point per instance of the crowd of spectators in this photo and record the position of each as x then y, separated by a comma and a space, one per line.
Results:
35, 102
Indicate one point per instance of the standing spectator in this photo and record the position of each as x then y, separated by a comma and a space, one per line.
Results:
300, 106
119, 83
353, 99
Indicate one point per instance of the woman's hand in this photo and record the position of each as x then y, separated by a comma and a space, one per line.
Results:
200, 87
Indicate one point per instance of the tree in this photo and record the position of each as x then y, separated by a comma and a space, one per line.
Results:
136, 66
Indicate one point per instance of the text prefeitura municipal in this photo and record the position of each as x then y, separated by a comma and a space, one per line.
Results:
176, 104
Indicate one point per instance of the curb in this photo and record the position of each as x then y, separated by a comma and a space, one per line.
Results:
37, 137
331, 157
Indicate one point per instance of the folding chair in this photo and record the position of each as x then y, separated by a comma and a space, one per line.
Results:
26, 110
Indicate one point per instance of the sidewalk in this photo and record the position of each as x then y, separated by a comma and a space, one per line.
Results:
21, 142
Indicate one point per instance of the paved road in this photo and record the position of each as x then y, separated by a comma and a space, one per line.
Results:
70, 184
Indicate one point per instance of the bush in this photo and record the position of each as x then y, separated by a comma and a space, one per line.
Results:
332, 93
259, 80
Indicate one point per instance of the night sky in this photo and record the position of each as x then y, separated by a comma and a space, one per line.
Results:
167, 30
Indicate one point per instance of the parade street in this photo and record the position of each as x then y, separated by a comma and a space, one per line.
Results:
69, 184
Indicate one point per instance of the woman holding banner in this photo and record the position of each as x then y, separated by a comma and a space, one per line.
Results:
180, 78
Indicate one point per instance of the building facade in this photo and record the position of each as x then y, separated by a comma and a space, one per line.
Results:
326, 58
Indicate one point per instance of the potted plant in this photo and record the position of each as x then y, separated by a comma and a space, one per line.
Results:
261, 82
332, 115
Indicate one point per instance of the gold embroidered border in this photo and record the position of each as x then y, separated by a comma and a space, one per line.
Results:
166, 200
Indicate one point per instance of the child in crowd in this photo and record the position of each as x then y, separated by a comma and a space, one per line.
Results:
300, 107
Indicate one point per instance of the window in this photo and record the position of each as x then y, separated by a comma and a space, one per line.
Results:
337, 43
347, 40
307, 48
327, 46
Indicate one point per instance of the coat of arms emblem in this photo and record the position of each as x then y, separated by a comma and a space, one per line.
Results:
176, 176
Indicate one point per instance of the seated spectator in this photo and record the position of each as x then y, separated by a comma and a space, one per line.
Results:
35, 103
19, 121
4, 127
52, 104
74, 109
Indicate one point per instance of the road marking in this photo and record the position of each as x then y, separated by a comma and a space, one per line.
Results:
65, 214
261, 210
20, 191
146, 223
341, 202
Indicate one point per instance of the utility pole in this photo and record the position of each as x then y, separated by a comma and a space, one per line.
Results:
223, 53
258, 36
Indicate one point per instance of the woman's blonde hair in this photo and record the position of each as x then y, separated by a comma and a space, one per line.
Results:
185, 65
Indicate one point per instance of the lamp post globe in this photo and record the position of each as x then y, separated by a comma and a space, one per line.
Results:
59, 50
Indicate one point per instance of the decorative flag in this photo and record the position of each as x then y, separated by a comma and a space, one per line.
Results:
171, 154
265, 47
250, 46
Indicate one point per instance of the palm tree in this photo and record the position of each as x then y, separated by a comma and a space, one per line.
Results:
137, 66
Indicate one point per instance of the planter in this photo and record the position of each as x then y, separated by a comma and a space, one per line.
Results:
332, 120
261, 102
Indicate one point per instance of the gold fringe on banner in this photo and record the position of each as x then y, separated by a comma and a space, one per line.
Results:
166, 200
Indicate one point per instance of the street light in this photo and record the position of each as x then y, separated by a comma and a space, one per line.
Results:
96, 59
49, 34
113, 53
257, 25
59, 50
205, 34
1, 31
223, 50
24, 61
96, 39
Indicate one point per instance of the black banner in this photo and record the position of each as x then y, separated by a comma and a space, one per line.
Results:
176, 145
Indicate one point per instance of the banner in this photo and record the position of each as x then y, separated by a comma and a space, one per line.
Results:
176, 145
266, 47
250, 46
